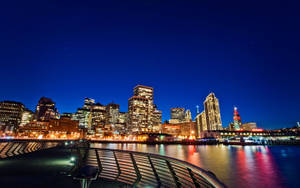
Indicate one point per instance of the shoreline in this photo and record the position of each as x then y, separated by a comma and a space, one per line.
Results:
269, 143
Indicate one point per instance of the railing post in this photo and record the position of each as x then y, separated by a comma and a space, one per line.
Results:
98, 161
4, 148
7, 151
175, 178
117, 163
137, 172
193, 178
154, 171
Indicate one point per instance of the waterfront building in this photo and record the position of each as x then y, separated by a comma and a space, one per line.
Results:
237, 122
34, 129
104, 131
212, 112
188, 129
249, 126
54, 128
183, 129
140, 110
256, 133
63, 128
46, 110
27, 117
172, 129
10, 115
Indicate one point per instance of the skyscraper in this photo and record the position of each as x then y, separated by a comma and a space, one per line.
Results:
27, 116
177, 115
156, 119
237, 122
98, 115
212, 112
188, 116
112, 113
140, 109
201, 124
45, 110
83, 115
10, 115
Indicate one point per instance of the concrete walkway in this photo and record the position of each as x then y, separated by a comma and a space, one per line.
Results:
43, 169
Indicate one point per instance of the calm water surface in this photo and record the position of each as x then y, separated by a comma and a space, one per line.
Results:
236, 166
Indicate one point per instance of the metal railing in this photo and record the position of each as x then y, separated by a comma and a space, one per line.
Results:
10, 149
139, 169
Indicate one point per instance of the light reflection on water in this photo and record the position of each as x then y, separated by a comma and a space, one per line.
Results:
236, 166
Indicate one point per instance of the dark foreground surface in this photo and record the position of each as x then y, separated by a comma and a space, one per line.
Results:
46, 168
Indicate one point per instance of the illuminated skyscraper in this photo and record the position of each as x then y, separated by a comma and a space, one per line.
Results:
10, 115
201, 124
112, 113
177, 115
98, 115
45, 110
188, 116
156, 119
237, 122
27, 116
88, 103
140, 110
212, 112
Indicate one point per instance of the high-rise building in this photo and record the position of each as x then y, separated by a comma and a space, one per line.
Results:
98, 115
212, 112
177, 115
94, 115
201, 124
138, 114
121, 125
88, 103
112, 113
27, 117
10, 115
188, 116
237, 122
45, 110
83, 115
156, 119
140, 109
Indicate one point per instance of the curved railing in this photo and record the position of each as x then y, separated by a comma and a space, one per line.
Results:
146, 170
10, 149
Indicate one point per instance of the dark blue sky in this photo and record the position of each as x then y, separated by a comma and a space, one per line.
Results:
247, 53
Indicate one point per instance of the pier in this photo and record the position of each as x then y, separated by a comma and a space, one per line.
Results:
67, 162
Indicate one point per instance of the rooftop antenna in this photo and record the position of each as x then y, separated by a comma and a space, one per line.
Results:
197, 109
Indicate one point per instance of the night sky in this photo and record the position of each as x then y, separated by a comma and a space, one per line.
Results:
246, 53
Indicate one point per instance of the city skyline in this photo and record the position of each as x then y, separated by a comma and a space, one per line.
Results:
246, 54
166, 115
